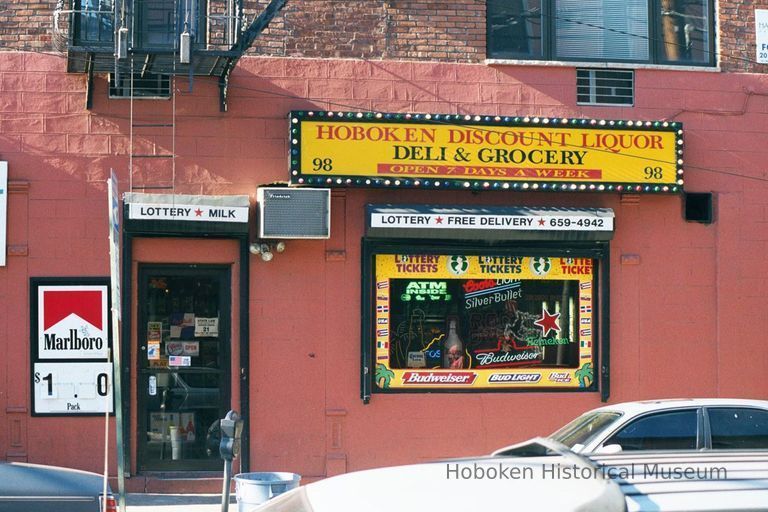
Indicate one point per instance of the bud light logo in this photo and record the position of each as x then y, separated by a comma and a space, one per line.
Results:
514, 378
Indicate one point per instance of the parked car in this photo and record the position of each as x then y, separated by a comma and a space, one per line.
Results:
37, 488
452, 486
675, 424
547, 476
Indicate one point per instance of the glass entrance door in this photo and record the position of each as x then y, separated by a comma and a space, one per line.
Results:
184, 365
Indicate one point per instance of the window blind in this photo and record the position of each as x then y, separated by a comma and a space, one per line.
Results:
601, 29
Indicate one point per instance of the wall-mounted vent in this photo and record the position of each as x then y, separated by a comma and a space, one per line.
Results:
697, 207
146, 85
294, 212
605, 87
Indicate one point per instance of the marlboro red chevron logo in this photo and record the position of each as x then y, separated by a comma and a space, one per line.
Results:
72, 322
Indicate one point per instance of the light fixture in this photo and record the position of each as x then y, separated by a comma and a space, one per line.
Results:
264, 249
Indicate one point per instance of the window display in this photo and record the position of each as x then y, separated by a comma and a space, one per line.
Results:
493, 321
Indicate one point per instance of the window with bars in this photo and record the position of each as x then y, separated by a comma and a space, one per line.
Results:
143, 85
674, 32
605, 87
93, 22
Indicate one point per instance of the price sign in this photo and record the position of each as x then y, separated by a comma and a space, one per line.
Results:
72, 388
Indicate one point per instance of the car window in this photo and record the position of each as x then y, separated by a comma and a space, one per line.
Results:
671, 430
583, 428
734, 427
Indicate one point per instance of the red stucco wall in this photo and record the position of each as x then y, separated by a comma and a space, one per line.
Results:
686, 298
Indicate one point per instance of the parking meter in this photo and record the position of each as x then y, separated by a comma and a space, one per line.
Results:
231, 430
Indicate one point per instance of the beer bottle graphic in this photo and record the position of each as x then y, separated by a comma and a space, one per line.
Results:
453, 347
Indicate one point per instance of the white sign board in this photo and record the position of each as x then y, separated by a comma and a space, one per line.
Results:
761, 35
544, 222
3, 209
206, 327
114, 242
73, 388
72, 322
188, 212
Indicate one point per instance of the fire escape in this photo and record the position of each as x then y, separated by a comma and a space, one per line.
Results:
157, 38
145, 45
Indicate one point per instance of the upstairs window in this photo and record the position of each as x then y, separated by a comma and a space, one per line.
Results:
93, 22
158, 24
143, 85
673, 32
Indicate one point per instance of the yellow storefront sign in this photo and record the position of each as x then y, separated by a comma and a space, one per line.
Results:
353, 149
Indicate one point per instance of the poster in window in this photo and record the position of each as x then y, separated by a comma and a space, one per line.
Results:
154, 331
483, 321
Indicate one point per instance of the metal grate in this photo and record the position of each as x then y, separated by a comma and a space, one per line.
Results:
605, 87
294, 212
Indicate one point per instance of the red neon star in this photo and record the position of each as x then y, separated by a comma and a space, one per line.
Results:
199, 212
547, 322
541, 222
438, 220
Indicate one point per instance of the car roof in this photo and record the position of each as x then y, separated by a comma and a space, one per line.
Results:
641, 406
24, 479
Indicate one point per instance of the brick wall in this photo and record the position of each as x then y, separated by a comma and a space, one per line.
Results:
377, 29
737, 35
26, 25
374, 29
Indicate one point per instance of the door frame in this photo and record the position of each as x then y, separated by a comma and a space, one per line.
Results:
126, 330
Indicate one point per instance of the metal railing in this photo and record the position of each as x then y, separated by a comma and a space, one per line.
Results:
91, 23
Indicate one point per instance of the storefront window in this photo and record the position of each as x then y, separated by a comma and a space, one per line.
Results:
483, 321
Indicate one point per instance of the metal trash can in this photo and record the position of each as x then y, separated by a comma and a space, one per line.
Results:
253, 489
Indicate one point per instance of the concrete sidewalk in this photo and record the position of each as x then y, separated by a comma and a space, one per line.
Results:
176, 502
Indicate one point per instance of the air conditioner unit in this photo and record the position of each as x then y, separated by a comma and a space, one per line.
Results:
294, 212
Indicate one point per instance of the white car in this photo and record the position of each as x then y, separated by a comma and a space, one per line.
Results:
713, 458
546, 476
464, 485
674, 424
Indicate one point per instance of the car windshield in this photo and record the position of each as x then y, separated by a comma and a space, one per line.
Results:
582, 429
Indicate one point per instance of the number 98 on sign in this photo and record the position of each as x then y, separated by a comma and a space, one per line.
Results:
72, 388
